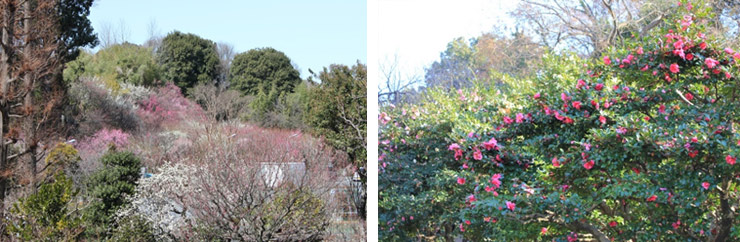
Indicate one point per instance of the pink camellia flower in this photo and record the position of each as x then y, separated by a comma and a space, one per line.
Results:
598, 87
577, 105
661, 109
678, 44
477, 154
471, 198
711, 63
496, 180
602, 119
454, 146
461, 228
489, 189
519, 117
581, 83
705, 185
703, 45
674, 68
736, 56
467, 222
689, 96
511, 205
652, 198
384, 118
508, 120
629, 59
588, 165
689, 56
555, 162
564, 97
644, 68
729, 51
544, 230
607, 60
730, 160
411, 217
491, 144
537, 95
461, 180
639, 50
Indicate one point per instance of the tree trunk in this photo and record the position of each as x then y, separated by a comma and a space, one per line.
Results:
725, 220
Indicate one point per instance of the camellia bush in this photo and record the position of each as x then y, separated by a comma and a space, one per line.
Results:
640, 145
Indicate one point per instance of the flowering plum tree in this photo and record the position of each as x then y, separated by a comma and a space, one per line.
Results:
640, 145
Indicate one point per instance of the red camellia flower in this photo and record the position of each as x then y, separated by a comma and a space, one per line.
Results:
599, 86
703, 45
460, 180
711, 63
693, 153
555, 162
588, 165
652, 198
607, 60
613, 224
577, 105
602, 119
674, 68
705, 185
689, 96
730, 160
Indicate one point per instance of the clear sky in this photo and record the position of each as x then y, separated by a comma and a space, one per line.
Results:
417, 31
314, 34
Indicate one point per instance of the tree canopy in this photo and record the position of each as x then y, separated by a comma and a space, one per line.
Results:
263, 70
337, 109
188, 59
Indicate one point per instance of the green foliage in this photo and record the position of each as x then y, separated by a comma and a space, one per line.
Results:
188, 59
123, 63
109, 187
263, 70
76, 30
337, 109
64, 155
483, 59
46, 215
132, 228
640, 147
287, 113
310, 216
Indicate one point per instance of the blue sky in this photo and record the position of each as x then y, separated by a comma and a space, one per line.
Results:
314, 34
